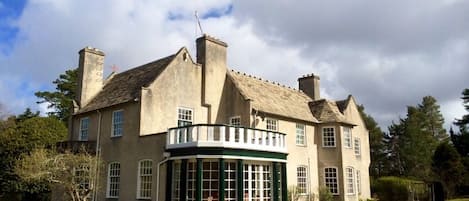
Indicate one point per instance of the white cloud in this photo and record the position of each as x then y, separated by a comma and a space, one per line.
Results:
386, 61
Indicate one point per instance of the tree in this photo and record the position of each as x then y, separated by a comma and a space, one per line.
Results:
412, 142
377, 146
61, 100
19, 137
447, 165
432, 119
72, 173
463, 123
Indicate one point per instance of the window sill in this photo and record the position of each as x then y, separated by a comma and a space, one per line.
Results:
301, 145
117, 136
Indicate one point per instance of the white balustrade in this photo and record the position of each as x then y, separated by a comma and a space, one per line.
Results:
227, 137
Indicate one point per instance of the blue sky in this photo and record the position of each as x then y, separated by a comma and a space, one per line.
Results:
10, 10
386, 61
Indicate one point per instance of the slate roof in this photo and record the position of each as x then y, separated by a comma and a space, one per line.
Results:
328, 111
272, 98
264, 95
126, 86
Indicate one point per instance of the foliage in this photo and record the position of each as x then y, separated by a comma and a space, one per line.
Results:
377, 146
410, 144
325, 194
293, 194
448, 167
61, 100
19, 135
463, 123
395, 188
73, 173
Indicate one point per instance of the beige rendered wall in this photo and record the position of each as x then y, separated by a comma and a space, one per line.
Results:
180, 83
232, 104
127, 149
362, 161
298, 155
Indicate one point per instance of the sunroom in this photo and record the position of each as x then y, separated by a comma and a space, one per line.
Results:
222, 163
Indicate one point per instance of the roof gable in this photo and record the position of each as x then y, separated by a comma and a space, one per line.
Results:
272, 98
124, 87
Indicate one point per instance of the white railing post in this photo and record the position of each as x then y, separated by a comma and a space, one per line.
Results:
249, 136
232, 134
269, 135
210, 133
241, 135
222, 133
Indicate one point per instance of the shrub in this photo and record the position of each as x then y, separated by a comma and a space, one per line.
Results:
395, 188
325, 194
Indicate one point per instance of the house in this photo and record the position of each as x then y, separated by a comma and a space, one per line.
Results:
190, 129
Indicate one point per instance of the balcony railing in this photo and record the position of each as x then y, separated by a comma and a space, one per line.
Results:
209, 135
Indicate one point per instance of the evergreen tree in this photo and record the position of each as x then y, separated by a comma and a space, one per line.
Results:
377, 149
61, 100
412, 142
463, 123
447, 165
432, 119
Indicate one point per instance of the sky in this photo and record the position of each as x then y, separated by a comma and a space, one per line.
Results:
387, 54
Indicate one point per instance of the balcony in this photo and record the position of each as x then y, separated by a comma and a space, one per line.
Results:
210, 135
77, 146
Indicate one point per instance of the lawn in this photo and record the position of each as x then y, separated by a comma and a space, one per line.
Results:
459, 199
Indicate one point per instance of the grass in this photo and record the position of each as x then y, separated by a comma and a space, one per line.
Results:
459, 199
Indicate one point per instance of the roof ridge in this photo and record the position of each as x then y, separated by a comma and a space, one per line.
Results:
268, 81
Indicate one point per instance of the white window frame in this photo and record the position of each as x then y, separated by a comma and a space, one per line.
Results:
347, 132
149, 177
359, 182
256, 188
209, 180
357, 147
235, 121
333, 137
300, 134
83, 130
302, 179
336, 178
191, 177
350, 180
114, 132
176, 178
271, 124
113, 180
188, 119
231, 170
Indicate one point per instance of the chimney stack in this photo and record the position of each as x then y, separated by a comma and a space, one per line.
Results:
211, 54
90, 74
309, 84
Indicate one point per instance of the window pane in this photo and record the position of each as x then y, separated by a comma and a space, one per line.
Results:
145, 177
300, 134
301, 177
117, 123
114, 180
328, 139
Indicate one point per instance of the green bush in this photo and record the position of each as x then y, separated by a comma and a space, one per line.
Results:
325, 194
399, 189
